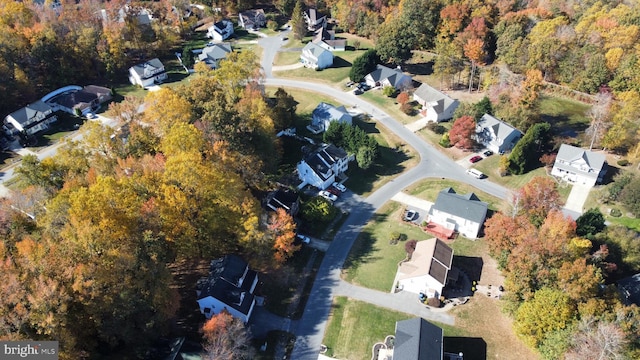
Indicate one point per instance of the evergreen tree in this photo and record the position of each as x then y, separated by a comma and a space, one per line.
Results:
526, 154
297, 21
363, 65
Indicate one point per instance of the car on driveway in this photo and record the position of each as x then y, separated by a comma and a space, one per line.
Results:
410, 215
333, 190
339, 186
357, 92
475, 159
303, 238
488, 153
327, 195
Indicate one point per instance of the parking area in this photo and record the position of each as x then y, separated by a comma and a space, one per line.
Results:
418, 205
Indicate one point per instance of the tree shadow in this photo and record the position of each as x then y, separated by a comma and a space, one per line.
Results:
562, 125
612, 172
362, 249
339, 62
419, 68
472, 348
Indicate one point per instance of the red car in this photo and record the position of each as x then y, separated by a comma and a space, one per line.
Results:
475, 159
333, 190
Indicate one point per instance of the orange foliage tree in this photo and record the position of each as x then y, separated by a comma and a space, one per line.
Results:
283, 230
225, 338
462, 133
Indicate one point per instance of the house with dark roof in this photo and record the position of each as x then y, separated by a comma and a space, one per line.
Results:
629, 288
579, 166
418, 339
436, 106
324, 114
148, 73
78, 100
229, 286
428, 270
212, 55
383, 76
316, 57
314, 19
283, 199
496, 135
31, 119
323, 166
220, 31
462, 213
327, 39
252, 19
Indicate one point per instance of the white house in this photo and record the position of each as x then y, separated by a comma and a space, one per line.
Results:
327, 40
462, 213
148, 73
579, 166
252, 19
230, 287
324, 114
428, 269
321, 167
78, 100
316, 57
436, 106
221, 30
496, 135
212, 55
31, 119
384, 76
314, 19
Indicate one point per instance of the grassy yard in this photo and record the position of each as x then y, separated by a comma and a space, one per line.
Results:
338, 72
286, 58
389, 106
428, 189
567, 117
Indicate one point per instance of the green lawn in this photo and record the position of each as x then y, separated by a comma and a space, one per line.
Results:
428, 189
389, 106
286, 58
567, 117
354, 326
337, 73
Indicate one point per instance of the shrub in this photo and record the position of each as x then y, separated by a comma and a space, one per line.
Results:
623, 162
407, 109
615, 212
272, 25
395, 237
410, 248
403, 98
436, 128
444, 141
356, 44
388, 91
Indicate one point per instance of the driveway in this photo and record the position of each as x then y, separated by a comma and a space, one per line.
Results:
577, 198
422, 206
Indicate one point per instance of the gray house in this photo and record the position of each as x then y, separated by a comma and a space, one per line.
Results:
212, 55
383, 76
324, 114
31, 119
462, 213
579, 166
496, 135
283, 199
418, 339
436, 106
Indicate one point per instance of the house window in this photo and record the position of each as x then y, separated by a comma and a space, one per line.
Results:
207, 310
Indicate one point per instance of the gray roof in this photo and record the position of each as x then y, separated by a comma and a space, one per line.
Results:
630, 289
216, 52
326, 111
418, 339
24, 115
394, 76
222, 283
315, 50
575, 159
152, 66
501, 129
322, 159
465, 206
430, 95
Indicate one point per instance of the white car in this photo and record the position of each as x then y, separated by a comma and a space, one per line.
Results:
327, 195
339, 186
303, 238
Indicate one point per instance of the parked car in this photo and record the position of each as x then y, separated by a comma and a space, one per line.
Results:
333, 190
357, 91
488, 153
475, 159
410, 215
327, 195
475, 173
303, 238
91, 116
350, 84
339, 186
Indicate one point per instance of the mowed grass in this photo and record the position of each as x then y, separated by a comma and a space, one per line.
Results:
286, 58
389, 106
567, 117
428, 189
338, 72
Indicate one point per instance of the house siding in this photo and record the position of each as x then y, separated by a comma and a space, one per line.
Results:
467, 228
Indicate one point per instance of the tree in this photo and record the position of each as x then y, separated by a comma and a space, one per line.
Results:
590, 223
462, 133
600, 117
363, 65
283, 229
530, 88
226, 338
366, 156
403, 98
395, 41
298, 24
579, 280
389, 91
285, 6
482, 107
503, 233
284, 111
410, 248
537, 198
526, 154
187, 57
630, 196
548, 311
597, 339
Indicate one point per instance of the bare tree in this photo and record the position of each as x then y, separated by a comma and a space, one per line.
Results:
226, 338
597, 340
600, 117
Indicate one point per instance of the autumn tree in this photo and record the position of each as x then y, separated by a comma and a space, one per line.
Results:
599, 115
462, 133
537, 198
503, 232
530, 88
597, 339
226, 338
283, 229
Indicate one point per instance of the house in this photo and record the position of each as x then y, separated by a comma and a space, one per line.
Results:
496, 135
78, 100
252, 19
324, 114
418, 339
427, 271
629, 288
321, 167
212, 55
314, 19
148, 73
221, 30
384, 76
283, 199
316, 57
230, 286
326, 39
462, 213
436, 106
579, 166
31, 119
136, 15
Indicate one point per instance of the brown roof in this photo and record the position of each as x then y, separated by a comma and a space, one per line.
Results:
432, 257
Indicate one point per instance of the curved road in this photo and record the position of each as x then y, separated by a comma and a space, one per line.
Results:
310, 328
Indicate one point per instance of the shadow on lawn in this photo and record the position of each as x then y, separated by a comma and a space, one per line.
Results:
339, 62
472, 348
471, 265
362, 249
388, 163
420, 68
